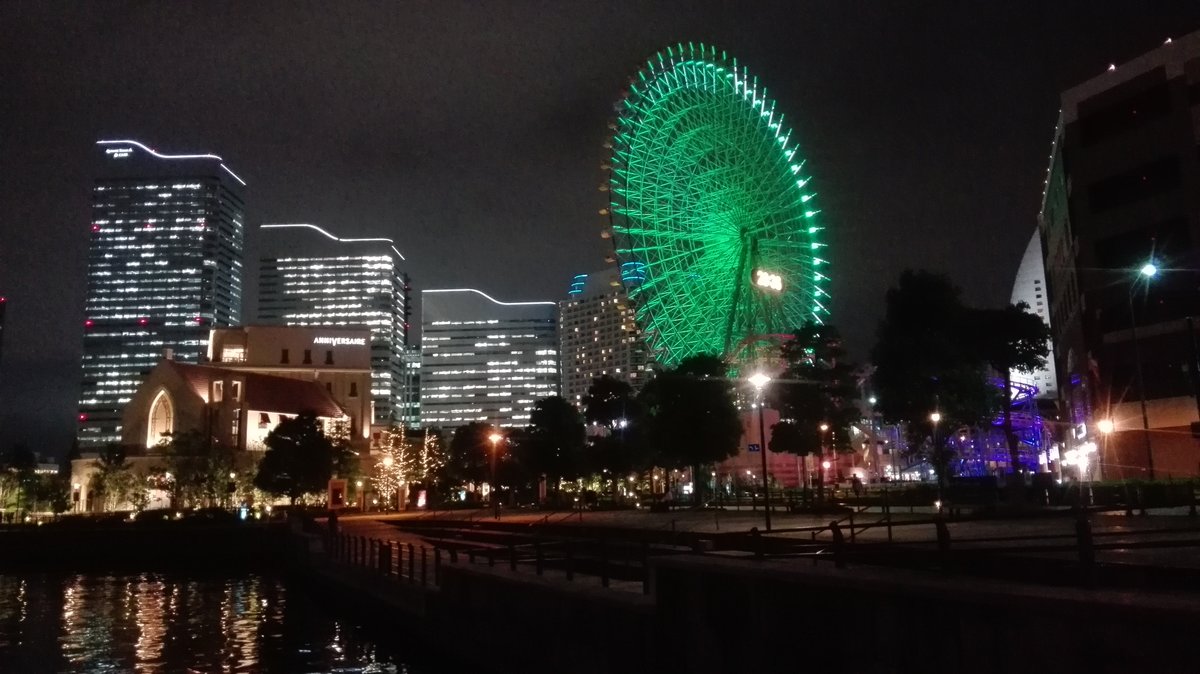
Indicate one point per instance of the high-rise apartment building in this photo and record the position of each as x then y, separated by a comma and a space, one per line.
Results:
483, 359
1121, 232
308, 276
1030, 288
164, 268
598, 335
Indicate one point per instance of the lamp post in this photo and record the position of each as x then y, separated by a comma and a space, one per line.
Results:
760, 382
822, 464
495, 437
1147, 271
1105, 426
935, 417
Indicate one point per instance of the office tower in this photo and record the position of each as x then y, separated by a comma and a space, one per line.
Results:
1121, 228
308, 276
1030, 288
164, 268
483, 359
410, 414
598, 335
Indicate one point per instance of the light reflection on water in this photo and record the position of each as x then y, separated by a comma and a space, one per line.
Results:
150, 623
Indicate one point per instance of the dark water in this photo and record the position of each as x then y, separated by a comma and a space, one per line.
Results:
178, 623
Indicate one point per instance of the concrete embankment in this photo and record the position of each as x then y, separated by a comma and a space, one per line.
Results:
714, 613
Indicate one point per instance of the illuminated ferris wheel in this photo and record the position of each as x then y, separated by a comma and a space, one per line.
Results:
714, 221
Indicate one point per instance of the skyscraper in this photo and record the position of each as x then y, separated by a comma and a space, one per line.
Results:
598, 335
308, 276
1030, 288
483, 359
164, 268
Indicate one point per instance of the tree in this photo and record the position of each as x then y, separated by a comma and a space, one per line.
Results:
925, 363
18, 477
113, 480
1010, 339
691, 416
555, 441
817, 388
299, 459
619, 447
200, 466
467, 460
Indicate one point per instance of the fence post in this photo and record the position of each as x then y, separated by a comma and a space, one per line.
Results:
756, 542
412, 578
424, 558
887, 513
1087, 550
852, 538
385, 558
437, 566
839, 544
943, 543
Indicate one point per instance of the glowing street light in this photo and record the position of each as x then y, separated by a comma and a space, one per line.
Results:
935, 417
760, 381
1105, 426
495, 437
1147, 272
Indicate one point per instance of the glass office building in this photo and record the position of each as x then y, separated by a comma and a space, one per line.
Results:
309, 276
164, 267
485, 360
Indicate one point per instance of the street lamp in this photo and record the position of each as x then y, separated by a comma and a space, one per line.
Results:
362, 497
760, 382
824, 465
495, 437
935, 417
1147, 271
1106, 427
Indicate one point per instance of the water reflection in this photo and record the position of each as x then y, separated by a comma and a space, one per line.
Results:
152, 623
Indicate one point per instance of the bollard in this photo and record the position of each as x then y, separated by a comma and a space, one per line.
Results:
645, 567
839, 545
943, 543
1128, 502
603, 564
570, 561
756, 542
1141, 502
1087, 551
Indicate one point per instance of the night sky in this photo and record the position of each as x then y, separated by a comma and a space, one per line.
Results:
471, 133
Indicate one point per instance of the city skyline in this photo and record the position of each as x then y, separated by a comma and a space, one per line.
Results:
478, 175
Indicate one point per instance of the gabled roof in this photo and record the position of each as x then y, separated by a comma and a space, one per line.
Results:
263, 392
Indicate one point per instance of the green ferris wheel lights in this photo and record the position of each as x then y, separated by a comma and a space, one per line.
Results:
712, 206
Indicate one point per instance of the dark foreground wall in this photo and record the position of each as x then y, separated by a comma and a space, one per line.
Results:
149, 546
718, 615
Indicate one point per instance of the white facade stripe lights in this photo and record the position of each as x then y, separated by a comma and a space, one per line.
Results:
486, 296
173, 156
339, 239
